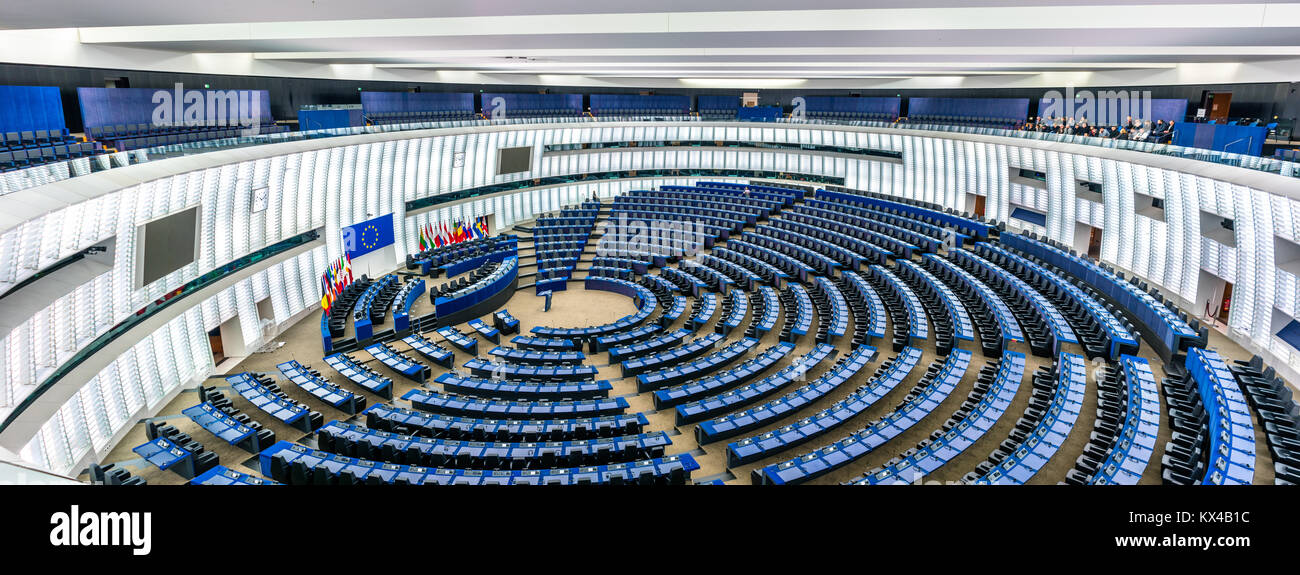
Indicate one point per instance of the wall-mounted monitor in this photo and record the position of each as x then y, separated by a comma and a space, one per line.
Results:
514, 160
164, 245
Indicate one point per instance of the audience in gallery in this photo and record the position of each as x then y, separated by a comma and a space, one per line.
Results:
1160, 132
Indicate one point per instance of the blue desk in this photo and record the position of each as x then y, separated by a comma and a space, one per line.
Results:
488, 332
918, 324
339, 437
389, 417
1007, 323
745, 421
463, 405
164, 454
874, 306
361, 375
408, 295
320, 388
461, 341
672, 468
226, 428
884, 381
398, 362
977, 423
799, 325
469, 296
962, 327
1232, 431
837, 323
504, 322
1121, 340
1172, 333
1136, 439
431, 351
278, 406
220, 475
608, 342
737, 307
646, 347
705, 305
544, 343
550, 390
694, 348
526, 372
1051, 431
512, 355
739, 375
698, 368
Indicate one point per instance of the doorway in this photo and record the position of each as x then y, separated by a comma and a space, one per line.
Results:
1094, 243
1214, 295
976, 203
1226, 305
218, 351
1217, 104
1087, 240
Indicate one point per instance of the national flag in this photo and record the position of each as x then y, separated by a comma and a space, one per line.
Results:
424, 245
457, 234
483, 225
348, 266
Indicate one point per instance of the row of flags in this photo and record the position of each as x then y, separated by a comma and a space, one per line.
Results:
442, 234
336, 277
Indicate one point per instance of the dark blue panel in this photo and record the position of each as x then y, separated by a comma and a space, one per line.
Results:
399, 102
758, 114
850, 105
328, 119
1223, 138
1030, 216
533, 103
30, 108
998, 108
128, 106
1290, 333
613, 103
717, 102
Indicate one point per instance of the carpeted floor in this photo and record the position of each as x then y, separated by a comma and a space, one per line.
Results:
577, 307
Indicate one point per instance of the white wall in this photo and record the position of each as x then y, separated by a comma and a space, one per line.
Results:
323, 184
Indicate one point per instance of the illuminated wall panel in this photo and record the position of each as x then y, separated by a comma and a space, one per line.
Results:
331, 187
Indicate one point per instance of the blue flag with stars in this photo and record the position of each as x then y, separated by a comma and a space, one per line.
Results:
362, 238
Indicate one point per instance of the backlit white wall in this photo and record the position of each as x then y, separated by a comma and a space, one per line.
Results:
328, 184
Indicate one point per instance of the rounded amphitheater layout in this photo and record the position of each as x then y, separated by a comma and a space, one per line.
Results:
743, 333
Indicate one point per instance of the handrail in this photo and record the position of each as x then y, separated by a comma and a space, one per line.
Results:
150, 310
56, 171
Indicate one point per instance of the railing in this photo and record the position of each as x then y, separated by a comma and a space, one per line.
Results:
17, 474
150, 310
57, 171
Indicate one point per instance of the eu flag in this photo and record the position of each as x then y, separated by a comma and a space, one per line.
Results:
362, 238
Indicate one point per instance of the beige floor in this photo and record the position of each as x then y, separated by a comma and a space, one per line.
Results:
577, 307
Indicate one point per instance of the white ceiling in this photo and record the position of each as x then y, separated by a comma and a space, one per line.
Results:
824, 43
